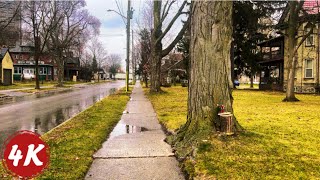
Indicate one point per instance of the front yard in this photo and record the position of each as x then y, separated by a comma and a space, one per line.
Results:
281, 141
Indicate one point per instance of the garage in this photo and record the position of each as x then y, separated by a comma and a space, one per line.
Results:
6, 67
7, 77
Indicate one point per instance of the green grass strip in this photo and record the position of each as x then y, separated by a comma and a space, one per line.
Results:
73, 143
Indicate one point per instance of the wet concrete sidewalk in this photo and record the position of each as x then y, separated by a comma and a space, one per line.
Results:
136, 147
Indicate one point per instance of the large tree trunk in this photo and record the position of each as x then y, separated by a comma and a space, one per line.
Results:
292, 61
156, 49
210, 78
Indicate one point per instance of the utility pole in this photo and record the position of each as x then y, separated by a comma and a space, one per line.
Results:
129, 16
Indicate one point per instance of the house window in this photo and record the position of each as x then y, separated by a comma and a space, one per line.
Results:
308, 68
42, 70
310, 38
17, 70
49, 71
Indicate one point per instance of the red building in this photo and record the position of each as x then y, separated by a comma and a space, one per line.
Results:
24, 64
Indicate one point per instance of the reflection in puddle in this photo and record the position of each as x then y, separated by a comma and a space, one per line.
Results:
41, 118
122, 128
15, 99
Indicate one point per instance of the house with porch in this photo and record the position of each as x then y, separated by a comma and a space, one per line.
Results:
275, 60
173, 68
71, 67
272, 64
24, 63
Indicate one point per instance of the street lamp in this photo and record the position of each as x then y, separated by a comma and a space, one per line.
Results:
128, 17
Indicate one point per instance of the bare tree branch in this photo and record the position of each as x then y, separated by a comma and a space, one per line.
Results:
167, 50
171, 22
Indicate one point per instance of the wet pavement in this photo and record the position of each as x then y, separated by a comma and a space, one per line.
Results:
135, 148
41, 113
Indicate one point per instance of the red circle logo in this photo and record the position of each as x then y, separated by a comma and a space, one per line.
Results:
25, 154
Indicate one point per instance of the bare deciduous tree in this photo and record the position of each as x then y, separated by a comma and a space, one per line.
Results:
40, 23
160, 15
99, 52
114, 64
10, 22
73, 21
297, 16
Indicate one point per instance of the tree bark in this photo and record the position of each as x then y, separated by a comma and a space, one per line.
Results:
156, 49
36, 58
210, 75
292, 61
251, 80
60, 63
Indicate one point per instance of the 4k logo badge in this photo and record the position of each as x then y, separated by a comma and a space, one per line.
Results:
25, 154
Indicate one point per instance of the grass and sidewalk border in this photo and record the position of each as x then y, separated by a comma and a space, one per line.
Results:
73, 143
281, 140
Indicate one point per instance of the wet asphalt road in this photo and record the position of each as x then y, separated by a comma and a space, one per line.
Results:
42, 114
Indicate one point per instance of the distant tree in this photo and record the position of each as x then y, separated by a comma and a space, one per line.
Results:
39, 23
183, 46
99, 53
94, 65
114, 61
85, 72
145, 55
10, 22
73, 21
249, 28
160, 15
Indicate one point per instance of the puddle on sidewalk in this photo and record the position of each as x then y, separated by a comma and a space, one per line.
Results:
122, 128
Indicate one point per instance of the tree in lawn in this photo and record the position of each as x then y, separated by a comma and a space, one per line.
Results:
85, 67
297, 16
39, 23
145, 55
159, 17
183, 46
94, 65
210, 72
73, 21
99, 53
114, 61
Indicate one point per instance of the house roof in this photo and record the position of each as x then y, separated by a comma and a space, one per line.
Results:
72, 60
22, 48
311, 7
3, 53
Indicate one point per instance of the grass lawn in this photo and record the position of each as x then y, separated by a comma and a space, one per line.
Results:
73, 143
281, 141
247, 86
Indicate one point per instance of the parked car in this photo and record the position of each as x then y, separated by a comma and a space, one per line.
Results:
236, 83
28, 74
184, 83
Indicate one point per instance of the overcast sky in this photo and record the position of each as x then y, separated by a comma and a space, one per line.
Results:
113, 32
